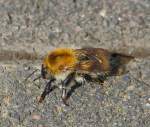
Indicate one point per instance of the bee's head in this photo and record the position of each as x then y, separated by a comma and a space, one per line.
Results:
45, 73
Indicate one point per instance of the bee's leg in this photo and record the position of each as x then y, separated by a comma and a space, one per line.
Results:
102, 78
65, 83
88, 78
47, 90
73, 88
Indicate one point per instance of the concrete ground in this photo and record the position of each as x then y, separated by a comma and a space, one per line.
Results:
31, 28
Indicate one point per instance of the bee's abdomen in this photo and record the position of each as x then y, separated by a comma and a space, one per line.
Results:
117, 62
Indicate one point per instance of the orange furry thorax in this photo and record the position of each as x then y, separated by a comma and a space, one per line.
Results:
60, 60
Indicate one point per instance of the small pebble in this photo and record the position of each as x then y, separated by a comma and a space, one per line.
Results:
36, 117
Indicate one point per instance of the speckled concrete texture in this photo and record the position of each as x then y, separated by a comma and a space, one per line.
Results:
31, 28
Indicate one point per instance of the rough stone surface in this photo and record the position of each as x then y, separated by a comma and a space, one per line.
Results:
37, 26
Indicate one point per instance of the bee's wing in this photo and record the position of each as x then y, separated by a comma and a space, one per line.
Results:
99, 60
93, 60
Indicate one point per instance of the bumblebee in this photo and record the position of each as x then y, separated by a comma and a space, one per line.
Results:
65, 65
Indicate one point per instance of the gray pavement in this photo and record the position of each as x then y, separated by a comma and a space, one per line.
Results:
31, 28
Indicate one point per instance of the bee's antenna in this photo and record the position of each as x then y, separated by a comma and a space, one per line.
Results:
30, 75
37, 78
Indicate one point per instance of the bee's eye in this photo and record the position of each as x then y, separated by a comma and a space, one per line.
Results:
43, 72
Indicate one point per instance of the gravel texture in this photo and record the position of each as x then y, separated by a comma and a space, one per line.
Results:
30, 28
